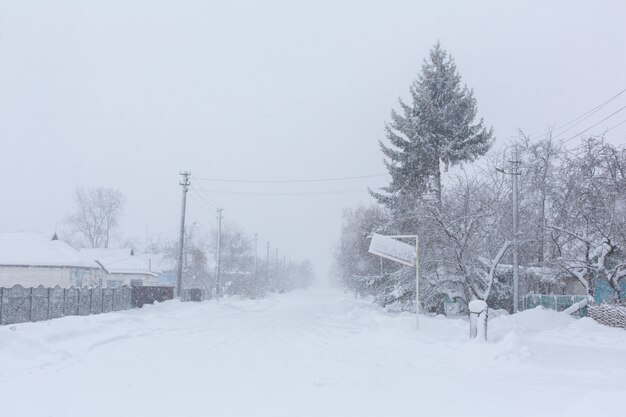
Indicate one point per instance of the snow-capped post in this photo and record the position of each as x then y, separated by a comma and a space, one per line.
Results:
390, 248
478, 314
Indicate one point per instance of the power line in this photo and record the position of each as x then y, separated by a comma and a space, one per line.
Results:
201, 204
252, 181
576, 121
204, 196
615, 126
202, 201
583, 116
252, 193
208, 196
205, 202
576, 124
595, 124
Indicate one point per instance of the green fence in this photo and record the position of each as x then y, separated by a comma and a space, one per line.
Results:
554, 302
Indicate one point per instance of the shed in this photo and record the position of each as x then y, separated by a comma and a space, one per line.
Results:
124, 267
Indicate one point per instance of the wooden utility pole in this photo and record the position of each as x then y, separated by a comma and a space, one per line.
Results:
218, 284
268, 278
181, 241
256, 254
514, 174
267, 259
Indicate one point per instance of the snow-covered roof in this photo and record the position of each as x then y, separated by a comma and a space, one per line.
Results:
38, 249
122, 261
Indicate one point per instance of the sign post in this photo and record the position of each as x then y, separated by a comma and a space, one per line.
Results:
390, 248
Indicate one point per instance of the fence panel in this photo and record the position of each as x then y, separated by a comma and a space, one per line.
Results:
148, 295
548, 301
127, 297
16, 304
554, 302
84, 301
96, 300
532, 301
122, 298
40, 304
57, 302
72, 296
562, 302
107, 300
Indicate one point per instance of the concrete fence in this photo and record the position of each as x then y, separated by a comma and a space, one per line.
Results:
19, 304
553, 302
608, 314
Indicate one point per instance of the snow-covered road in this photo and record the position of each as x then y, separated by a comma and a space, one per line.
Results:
315, 353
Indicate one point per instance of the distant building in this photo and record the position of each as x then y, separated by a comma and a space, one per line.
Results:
124, 267
31, 259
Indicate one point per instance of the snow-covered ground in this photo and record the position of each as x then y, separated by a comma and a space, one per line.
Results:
316, 353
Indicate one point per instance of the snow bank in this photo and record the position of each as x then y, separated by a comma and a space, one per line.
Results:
528, 323
305, 354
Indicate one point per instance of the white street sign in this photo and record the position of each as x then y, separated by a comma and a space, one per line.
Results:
393, 249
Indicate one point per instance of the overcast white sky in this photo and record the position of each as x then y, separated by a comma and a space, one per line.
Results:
126, 94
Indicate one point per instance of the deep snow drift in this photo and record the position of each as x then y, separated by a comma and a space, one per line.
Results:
316, 353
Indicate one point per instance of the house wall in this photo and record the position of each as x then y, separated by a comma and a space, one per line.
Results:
32, 276
605, 293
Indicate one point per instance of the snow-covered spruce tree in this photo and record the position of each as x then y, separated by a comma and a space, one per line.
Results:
436, 130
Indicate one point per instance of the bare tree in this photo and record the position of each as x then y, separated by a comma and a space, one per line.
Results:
589, 232
471, 218
96, 216
539, 184
236, 260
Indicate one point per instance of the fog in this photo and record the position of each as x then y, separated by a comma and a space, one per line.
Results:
127, 94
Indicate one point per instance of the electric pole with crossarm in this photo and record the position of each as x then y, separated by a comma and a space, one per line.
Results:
181, 242
514, 173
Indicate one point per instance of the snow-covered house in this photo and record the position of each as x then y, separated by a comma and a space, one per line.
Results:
31, 259
124, 267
